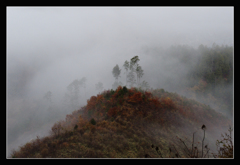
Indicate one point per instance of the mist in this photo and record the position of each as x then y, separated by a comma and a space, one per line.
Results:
49, 47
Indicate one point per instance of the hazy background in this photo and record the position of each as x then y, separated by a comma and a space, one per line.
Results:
49, 47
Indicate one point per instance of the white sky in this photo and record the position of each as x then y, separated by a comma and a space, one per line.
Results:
60, 44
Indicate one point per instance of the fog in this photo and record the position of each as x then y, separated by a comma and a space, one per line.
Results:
49, 47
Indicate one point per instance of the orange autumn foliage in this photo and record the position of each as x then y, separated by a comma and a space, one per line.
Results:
136, 98
168, 103
155, 102
100, 99
148, 94
112, 112
92, 102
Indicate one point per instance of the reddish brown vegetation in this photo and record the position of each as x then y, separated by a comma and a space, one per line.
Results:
111, 115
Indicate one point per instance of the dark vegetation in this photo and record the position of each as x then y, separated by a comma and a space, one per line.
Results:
126, 123
136, 121
207, 77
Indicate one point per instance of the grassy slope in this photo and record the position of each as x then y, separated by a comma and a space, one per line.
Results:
127, 123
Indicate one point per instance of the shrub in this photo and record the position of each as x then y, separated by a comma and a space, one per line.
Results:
136, 98
92, 121
65, 144
56, 128
225, 146
91, 103
112, 112
93, 128
122, 91
75, 127
44, 152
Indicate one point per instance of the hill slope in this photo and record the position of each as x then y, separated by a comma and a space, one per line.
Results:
129, 123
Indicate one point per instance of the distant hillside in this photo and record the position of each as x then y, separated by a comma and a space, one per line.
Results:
130, 123
204, 74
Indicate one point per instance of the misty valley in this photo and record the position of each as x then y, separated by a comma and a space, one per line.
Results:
173, 102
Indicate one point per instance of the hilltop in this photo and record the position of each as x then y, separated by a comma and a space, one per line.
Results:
129, 123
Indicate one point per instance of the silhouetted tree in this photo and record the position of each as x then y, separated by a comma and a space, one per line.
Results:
126, 67
133, 63
131, 79
132, 67
139, 72
116, 72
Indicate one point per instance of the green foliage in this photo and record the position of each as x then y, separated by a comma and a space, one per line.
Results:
133, 67
125, 131
213, 73
126, 65
75, 127
116, 72
133, 62
123, 91
129, 120
92, 121
207, 74
107, 94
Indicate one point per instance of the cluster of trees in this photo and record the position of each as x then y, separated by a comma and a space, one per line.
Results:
216, 65
216, 68
134, 73
211, 64
72, 97
207, 78
166, 109
125, 122
204, 74
156, 105
214, 75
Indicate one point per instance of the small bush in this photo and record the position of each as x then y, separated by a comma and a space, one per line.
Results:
44, 152
56, 128
75, 127
225, 145
92, 121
